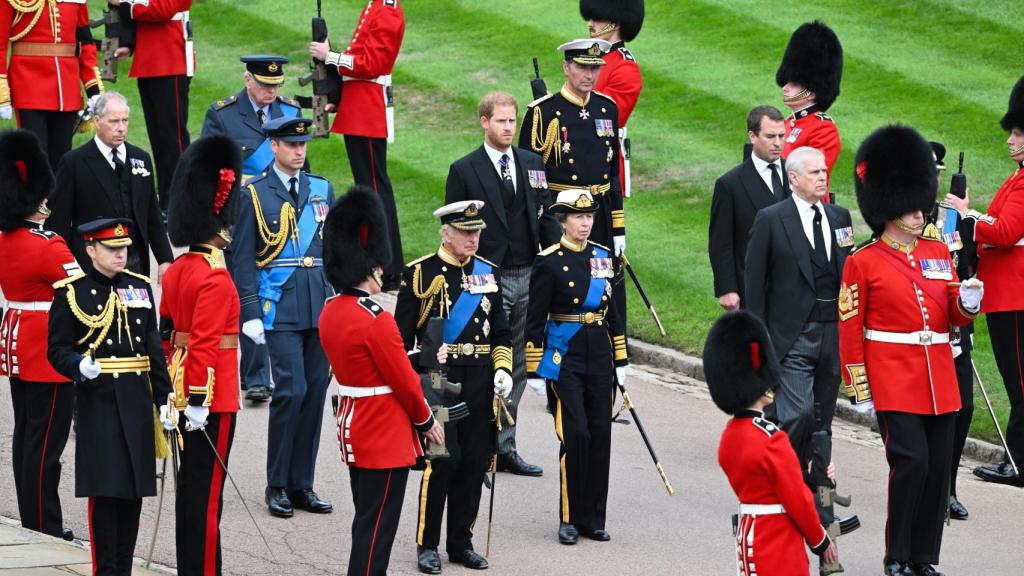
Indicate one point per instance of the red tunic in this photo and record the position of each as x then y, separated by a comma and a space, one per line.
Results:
811, 127
200, 299
762, 468
620, 79
54, 82
374, 48
33, 259
875, 295
160, 39
365, 350
999, 234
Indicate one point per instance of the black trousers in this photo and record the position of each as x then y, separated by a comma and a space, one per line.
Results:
165, 106
459, 478
962, 425
254, 365
377, 495
1006, 329
53, 128
583, 398
42, 421
368, 158
199, 501
113, 529
918, 449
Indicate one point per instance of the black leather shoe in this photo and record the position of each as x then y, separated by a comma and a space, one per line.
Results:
67, 534
567, 533
469, 559
278, 503
600, 535
428, 560
513, 463
257, 394
308, 500
897, 568
920, 569
956, 509
1001, 474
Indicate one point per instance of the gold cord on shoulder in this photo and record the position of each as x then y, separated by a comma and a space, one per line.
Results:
274, 241
34, 7
427, 297
546, 142
102, 321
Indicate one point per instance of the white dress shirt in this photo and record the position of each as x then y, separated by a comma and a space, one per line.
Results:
285, 178
495, 156
122, 152
806, 212
766, 173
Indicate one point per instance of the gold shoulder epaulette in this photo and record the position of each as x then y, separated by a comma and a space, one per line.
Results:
541, 99
420, 259
139, 276
550, 249
930, 239
602, 246
605, 95
864, 245
486, 261
65, 281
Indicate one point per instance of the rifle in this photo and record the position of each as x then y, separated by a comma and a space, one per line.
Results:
116, 33
825, 497
436, 388
537, 84
326, 82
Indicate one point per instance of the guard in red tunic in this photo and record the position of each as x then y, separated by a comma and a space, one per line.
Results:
366, 113
999, 234
164, 62
776, 512
199, 317
43, 400
809, 75
899, 296
618, 22
52, 59
382, 405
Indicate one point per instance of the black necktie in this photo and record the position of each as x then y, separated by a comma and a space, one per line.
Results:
118, 164
262, 116
776, 182
819, 237
508, 187
294, 191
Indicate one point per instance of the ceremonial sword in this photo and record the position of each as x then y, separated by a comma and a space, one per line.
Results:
995, 421
500, 406
626, 401
159, 508
643, 294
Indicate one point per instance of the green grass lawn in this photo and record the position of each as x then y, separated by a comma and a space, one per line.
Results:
940, 65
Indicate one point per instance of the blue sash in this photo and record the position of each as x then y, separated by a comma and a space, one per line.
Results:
273, 278
263, 155
465, 306
951, 225
558, 334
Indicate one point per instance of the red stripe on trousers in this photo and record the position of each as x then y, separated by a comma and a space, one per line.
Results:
42, 457
373, 174
177, 113
376, 526
92, 541
1016, 330
213, 503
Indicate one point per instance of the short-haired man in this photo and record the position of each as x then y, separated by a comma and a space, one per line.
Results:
511, 186
759, 181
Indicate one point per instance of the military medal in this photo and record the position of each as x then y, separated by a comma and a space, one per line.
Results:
134, 297
935, 269
584, 115
610, 154
603, 126
844, 237
566, 146
320, 210
485, 305
952, 240
538, 179
794, 135
480, 284
601, 268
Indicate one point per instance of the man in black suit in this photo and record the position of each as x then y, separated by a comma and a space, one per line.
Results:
109, 178
513, 186
759, 181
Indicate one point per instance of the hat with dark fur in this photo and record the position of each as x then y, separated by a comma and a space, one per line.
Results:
1014, 117
628, 14
894, 174
204, 191
813, 59
739, 361
25, 177
355, 238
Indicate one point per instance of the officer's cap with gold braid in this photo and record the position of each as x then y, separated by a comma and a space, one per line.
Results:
25, 178
894, 175
739, 361
355, 238
204, 191
111, 232
1014, 117
627, 14
573, 201
588, 51
265, 68
464, 215
288, 129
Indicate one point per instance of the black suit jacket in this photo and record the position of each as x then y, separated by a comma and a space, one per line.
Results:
473, 177
87, 189
779, 273
739, 194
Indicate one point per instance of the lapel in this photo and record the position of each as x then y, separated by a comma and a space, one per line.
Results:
303, 193
785, 179
104, 173
277, 187
797, 239
249, 117
760, 195
488, 176
523, 185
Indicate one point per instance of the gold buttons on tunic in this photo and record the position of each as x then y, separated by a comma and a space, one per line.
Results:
571, 284
565, 268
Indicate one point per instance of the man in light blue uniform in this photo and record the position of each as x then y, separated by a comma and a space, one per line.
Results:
241, 118
278, 267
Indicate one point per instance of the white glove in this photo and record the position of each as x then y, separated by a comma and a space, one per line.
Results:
539, 387
89, 368
196, 416
620, 375
91, 104
865, 407
254, 330
971, 292
619, 244
502, 383
6, 111
167, 422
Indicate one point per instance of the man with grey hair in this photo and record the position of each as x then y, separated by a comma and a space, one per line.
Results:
794, 266
109, 178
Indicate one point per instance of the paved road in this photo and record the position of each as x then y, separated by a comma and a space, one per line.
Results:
652, 533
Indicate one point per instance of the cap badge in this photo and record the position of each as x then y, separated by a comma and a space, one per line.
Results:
471, 211
595, 50
300, 128
584, 201
119, 230
272, 68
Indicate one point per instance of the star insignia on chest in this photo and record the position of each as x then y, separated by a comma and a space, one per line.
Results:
486, 329
566, 147
584, 114
485, 305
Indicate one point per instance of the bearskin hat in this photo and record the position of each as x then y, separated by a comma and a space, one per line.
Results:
628, 14
739, 361
25, 177
204, 191
1014, 117
355, 238
813, 59
894, 174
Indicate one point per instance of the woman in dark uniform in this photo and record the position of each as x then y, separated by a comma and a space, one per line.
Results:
577, 343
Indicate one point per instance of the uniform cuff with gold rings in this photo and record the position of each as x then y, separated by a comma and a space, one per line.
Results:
304, 262
468, 349
594, 189
117, 365
587, 318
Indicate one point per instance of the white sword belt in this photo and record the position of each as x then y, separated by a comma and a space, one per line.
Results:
920, 338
